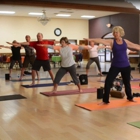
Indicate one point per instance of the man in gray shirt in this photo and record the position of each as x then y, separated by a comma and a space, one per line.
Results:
29, 57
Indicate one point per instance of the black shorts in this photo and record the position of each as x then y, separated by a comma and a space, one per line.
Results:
44, 63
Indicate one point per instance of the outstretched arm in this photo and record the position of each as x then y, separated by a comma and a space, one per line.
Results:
50, 46
107, 42
132, 46
104, 47
78, 47
2, 46
15, 44
18, 44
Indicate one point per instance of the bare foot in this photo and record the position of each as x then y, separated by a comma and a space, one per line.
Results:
103, 103
80, 90
132, 100
53, 92
32, 84
100, 74
38, 78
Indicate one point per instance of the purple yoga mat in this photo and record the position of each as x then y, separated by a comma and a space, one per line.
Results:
70, 92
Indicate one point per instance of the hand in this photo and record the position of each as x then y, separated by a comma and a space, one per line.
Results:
56, 42
9, 43
86, 39
1, 45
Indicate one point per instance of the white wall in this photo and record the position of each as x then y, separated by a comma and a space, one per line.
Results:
15, 28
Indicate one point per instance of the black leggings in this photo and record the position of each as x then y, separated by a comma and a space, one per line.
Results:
113, 72
15, 61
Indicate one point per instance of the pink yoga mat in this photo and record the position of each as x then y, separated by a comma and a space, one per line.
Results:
70, 92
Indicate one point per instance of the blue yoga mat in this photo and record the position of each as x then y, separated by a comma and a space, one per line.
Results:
134, 80
17, 80
44, 85
96, 76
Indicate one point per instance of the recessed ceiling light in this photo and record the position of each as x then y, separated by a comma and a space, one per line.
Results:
86, 16
7, 12
38, 14
63, 15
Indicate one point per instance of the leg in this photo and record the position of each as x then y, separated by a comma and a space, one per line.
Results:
60, 73
37, 75
11, 66
96, 59
22, 72
72, 72
47, 67
33, 77
51, 75
25, 65
125, 72
90, 61
20, 63
113, 72
31, 60
36, 67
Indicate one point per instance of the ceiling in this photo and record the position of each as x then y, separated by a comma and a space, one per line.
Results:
76, 8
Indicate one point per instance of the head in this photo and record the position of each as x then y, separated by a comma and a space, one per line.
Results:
91, 43
39, 36
14, 41
28, 38
118, 32
64, 41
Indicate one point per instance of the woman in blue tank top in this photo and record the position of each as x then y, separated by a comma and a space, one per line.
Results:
120, 62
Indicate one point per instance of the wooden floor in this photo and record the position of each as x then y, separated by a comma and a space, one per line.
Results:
57, 118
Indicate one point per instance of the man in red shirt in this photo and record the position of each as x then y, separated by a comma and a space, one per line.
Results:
42, 57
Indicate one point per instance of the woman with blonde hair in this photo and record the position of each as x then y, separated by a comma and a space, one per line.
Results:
120, 62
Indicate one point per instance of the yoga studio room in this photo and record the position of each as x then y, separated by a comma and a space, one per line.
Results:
70, 70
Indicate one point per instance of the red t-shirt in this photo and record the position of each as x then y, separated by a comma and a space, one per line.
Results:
41, 52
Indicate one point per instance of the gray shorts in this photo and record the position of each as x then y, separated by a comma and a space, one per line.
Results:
28, 60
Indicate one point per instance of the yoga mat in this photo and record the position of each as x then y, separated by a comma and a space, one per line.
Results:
135, 87
96, 75
136, 124
113, 104
11, 97
136, 79
17, 80
44, 85
70, 92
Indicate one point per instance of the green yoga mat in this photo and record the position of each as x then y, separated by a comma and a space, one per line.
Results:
136, 124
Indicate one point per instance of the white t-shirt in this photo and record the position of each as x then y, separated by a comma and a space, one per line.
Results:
67, 59
93, 51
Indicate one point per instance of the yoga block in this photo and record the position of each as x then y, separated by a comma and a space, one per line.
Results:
83, 79
7, 76
100, 93
117, 94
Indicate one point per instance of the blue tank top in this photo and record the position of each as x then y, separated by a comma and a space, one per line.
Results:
120, 58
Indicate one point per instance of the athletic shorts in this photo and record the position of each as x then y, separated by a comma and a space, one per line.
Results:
28, 60
41, 63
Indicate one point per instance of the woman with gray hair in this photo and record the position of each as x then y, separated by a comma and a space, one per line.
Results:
120, 62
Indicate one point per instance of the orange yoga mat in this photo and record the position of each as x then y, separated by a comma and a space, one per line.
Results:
135, 87
113, 104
